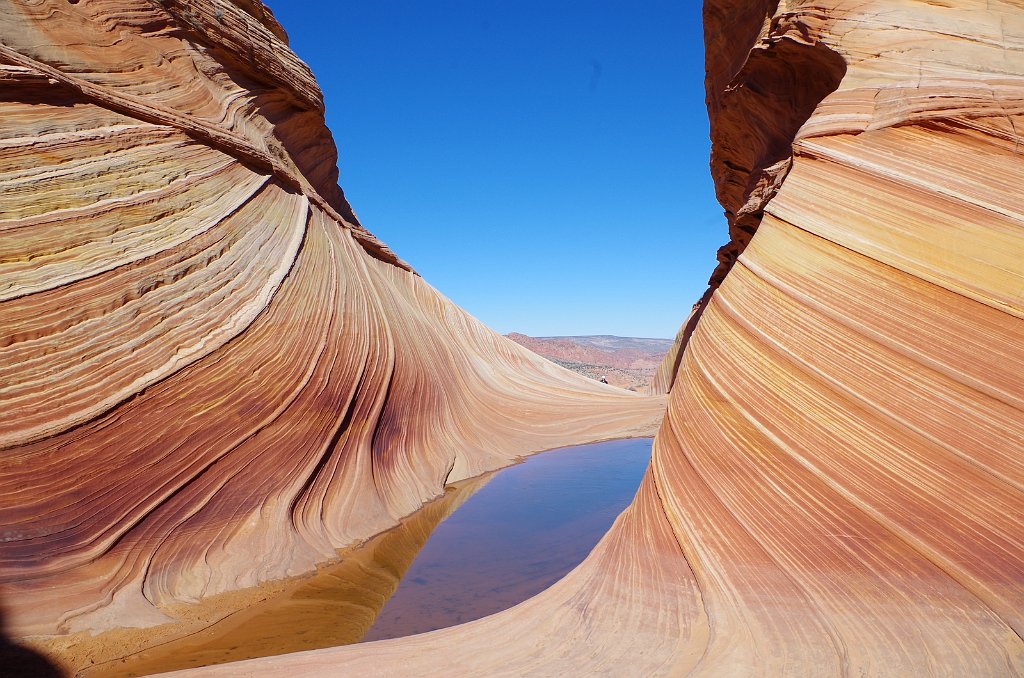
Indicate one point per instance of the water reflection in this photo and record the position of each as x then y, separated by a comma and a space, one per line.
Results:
532, 524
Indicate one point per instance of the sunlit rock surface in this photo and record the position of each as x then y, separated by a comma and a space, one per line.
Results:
211, 376
838, 487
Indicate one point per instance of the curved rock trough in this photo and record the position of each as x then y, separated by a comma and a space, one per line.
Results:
213, 377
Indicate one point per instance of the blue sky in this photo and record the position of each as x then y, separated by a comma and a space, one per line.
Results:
543, 164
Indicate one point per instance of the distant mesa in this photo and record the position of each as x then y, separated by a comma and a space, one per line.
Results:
627, 362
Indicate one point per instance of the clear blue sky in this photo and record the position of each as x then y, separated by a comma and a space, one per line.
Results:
544, 164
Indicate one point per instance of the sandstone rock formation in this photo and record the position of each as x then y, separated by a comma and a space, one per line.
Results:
211, 375
665, 374
336, 606
838, 486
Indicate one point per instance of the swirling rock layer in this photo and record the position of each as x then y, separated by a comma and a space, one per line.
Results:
211, 375
838, 485
337, 605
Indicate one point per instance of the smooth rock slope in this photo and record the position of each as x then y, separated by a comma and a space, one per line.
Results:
838, 486
211, 376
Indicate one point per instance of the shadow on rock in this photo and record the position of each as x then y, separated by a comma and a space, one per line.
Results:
18, 661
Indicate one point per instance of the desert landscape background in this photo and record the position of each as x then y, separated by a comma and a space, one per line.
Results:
626, 362
215, 377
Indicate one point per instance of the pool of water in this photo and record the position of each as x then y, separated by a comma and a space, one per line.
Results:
526, 529
486, 545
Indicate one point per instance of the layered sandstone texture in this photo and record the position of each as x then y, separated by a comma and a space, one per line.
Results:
211, 375
838, 486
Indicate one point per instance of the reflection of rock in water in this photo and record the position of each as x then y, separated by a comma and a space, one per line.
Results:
336, 606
